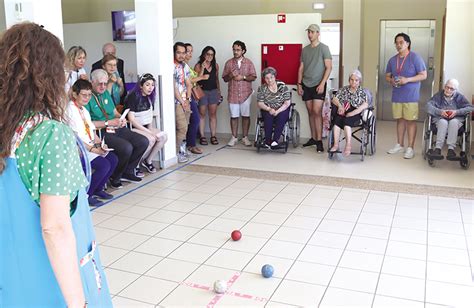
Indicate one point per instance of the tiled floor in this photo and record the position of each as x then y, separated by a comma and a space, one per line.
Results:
166, 242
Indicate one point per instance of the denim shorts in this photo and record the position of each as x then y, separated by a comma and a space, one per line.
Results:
211, 97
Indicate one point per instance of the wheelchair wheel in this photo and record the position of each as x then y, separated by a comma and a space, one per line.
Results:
425, 142
330, 143
372, 137
430, 161
465, 162
259, 137
363, 145
295, 128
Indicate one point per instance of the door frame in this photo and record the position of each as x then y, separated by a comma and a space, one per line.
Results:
341, 35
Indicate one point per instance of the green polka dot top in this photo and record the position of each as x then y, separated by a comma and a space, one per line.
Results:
48, 161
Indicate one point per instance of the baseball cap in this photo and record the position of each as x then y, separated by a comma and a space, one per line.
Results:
313, 27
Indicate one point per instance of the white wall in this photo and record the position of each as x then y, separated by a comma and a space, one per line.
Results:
221, 31
92, 36
352, 36
459, 44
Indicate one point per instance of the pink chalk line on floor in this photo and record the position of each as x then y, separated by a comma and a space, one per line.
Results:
216, 298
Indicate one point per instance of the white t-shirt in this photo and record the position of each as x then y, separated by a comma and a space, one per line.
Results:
76, 122
72, 77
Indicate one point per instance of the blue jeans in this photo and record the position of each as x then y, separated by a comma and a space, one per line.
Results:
193, 124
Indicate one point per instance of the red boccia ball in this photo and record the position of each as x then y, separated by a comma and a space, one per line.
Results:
236, 235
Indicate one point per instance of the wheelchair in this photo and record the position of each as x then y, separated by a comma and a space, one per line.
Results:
365, 133
290, 135
463, 141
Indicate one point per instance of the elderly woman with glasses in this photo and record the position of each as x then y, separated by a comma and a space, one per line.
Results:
140, 101
350, 101
448, 107
273, 99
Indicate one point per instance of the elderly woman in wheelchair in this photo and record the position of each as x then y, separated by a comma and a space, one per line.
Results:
448, 111
274, 100
350, 102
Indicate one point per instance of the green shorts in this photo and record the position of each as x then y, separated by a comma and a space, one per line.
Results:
407, 111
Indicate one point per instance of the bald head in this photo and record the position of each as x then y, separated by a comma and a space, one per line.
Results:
109, 49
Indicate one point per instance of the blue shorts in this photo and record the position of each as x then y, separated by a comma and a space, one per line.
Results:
211, 97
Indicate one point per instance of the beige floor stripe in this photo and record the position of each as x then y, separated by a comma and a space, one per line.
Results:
442, 191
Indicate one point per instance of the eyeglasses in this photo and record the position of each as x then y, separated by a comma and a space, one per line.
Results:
236, 49
102, 84
86, 95
210, 54
449, 88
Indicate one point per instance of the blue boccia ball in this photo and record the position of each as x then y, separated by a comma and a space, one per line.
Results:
267, 271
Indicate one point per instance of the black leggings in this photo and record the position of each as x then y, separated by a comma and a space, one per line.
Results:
129, 148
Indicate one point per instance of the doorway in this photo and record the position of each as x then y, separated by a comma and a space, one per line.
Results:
331, 35
422, 35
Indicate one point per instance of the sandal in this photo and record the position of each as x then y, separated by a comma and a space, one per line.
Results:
214, 140
203, 141
347, 150
195, 150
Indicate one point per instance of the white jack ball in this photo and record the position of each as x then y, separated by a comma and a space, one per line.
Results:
220, 286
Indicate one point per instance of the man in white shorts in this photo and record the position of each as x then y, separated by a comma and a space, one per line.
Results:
239, 72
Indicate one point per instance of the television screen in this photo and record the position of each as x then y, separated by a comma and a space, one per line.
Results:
123, 25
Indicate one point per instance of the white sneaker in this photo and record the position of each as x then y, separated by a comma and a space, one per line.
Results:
396, 149
232, 141
409, 153
182, 158
246, 142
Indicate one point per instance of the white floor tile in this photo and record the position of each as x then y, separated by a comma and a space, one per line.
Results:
181, 206
270, 218
246, 244
178, 233
225, 225
126, 240
334, 226
410, 223
259, 230
231, 259
255, 284
156, 202
222, 200
288, 198
327, 239
140, 289
298, 293
310, 211
374, 231
174, 270
239, 214
258, 194
186, 296
378, 208
335, 297
309, 223
311, 273
393, 302
147, 227
165, 216
209, 210
113, 208
449, 273
361, 261
453, 215
108, 254
195, 221
158, 246
281, 249
408, 235
118, 223
121, 302
293, 235
401, 287
445, 227
138, 212
413, 212
355, 280
131, 198
135, 262
449, 294
210, 238
447, 240
448, 255
404, 267
278, 207
406, 250
250, 204
367, 244
103, 234
342, 215
99, 217
382, 197
171, 193
322, 255
118, 280
192, 253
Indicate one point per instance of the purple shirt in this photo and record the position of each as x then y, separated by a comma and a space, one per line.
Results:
413, 65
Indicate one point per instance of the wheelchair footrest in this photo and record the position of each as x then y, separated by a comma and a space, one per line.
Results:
454, 158
434, 156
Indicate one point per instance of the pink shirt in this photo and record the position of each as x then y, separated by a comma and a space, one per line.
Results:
240, 90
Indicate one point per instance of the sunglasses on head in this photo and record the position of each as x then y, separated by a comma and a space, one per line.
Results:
146, 77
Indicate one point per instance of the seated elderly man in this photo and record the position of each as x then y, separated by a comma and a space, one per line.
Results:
448, 108
273, 99
128, 146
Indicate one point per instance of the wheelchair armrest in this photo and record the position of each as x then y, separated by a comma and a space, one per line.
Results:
467, 121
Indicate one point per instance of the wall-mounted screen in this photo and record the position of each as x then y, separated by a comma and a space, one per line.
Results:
123, 25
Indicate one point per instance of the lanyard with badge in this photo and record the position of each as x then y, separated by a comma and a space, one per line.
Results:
84, 120
400, 67
108, 129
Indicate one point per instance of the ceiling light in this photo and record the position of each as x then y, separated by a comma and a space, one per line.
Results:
318, 6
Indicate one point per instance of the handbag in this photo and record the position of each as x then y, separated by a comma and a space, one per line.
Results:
197, 92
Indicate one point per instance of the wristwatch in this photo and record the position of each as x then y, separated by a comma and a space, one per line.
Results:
245, 77
106, 123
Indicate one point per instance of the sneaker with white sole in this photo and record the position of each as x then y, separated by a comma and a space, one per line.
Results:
232, 141
409, 153
245, 141
182, 158
396, 149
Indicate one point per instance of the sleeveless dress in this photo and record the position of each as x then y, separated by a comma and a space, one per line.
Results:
26, 275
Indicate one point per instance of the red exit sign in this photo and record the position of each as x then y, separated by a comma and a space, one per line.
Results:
281, 19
